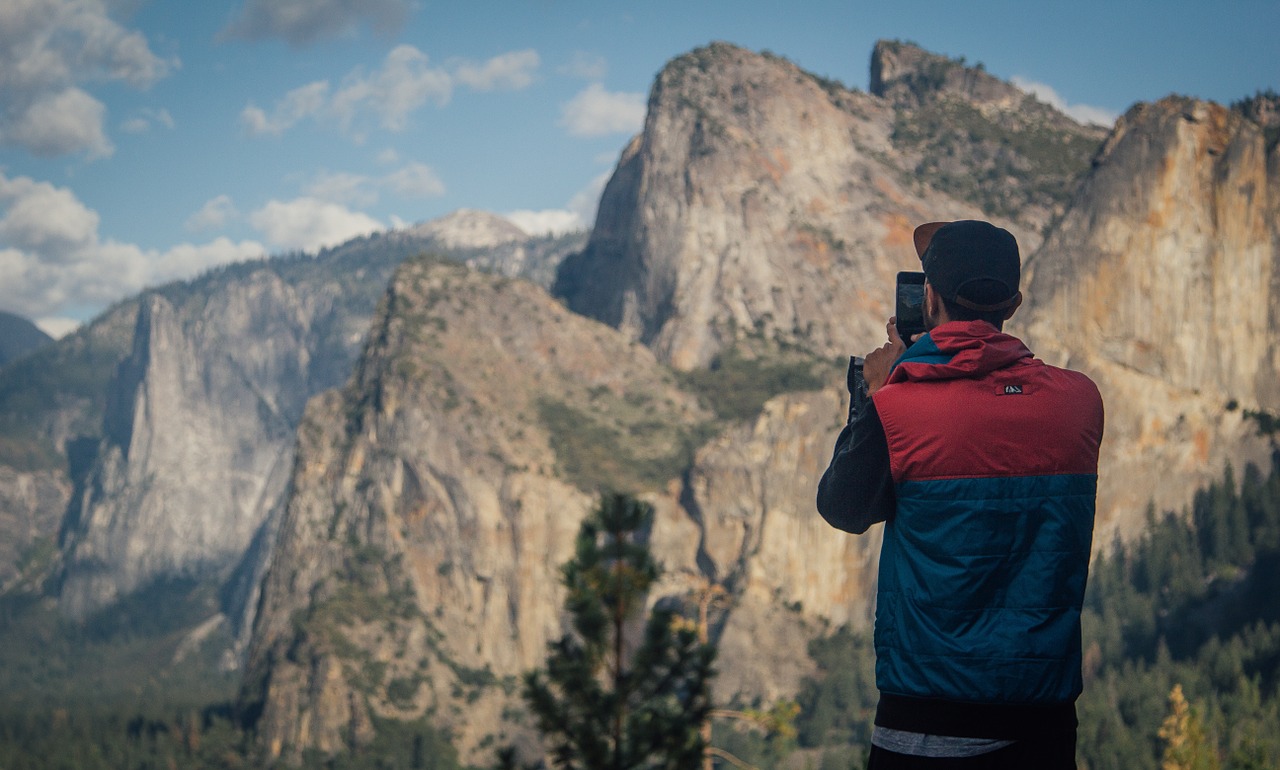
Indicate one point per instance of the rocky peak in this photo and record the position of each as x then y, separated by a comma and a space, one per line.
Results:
470, 229
1262, 108
909, 76
757, 199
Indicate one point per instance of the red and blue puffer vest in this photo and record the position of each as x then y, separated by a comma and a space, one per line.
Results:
994, 456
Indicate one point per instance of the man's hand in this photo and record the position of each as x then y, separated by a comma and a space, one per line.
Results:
880, 361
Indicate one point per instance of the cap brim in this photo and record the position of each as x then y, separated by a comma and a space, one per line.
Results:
923, 234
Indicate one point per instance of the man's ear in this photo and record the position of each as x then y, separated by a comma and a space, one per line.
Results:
933, 304
1017, 303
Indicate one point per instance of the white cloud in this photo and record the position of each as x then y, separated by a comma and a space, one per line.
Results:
62, 123
146, 119
40, 218
342, 187
48, 48
404, 84
597, 112
388, 96
302, 102
579, 214
302, 22
214, 214
545, 222
310, 224
1082, 113
587, 66
514, 70
416, 180
52, 259
57, 327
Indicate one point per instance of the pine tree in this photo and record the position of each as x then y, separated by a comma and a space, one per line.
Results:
607, 700
1186, 747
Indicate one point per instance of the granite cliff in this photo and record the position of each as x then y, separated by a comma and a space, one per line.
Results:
1161, 282
434, 499
761, 202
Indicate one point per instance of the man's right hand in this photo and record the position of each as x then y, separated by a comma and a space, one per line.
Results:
879, 362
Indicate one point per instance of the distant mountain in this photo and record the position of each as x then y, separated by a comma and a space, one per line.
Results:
470, 229
244, 345
18, 337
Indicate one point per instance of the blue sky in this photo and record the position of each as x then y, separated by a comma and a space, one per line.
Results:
147, 140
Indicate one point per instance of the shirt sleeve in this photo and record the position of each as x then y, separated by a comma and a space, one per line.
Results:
856, 490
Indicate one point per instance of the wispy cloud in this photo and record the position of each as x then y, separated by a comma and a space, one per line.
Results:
512, 71
412, 180
300, 103
303, 22
53, 260
1082, 113
597, 112
416, 180
587, 66
48, 50
213, 215
404, 83
147, 119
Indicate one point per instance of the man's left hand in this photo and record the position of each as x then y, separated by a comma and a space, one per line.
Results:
879, 362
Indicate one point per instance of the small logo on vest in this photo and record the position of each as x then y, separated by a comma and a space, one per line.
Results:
1013, 390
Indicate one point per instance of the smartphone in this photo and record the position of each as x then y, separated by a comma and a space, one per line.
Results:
910, 305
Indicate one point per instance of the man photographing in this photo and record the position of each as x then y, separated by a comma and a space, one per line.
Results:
982, 462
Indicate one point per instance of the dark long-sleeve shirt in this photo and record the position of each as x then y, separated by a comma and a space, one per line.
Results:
856, 490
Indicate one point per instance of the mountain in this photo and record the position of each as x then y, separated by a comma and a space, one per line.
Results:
764, 204
18, 336
487, 241
433, 500
175, 413
757, 199
470, 229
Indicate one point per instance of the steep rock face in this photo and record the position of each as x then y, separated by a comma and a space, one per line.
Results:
49, 402
754, 204
789, 575
1162, 282
760, 201
198, 434
31, 507
416, 569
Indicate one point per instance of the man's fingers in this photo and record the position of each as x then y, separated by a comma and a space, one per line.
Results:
891, 329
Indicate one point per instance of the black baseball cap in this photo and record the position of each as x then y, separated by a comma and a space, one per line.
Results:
971, 263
